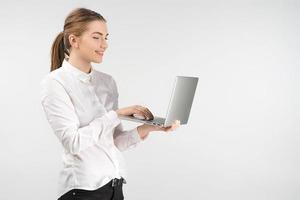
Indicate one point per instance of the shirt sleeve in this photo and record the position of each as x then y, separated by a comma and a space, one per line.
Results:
64, 121
124, 139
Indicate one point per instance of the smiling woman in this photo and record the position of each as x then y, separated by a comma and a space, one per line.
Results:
85, 34
81, 106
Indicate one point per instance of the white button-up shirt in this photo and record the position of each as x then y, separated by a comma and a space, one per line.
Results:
80, 109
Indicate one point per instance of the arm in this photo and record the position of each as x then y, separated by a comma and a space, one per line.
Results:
62, 118
125, 139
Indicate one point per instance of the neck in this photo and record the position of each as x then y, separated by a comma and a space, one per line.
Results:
79, 63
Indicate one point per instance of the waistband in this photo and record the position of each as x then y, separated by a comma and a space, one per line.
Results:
113, 183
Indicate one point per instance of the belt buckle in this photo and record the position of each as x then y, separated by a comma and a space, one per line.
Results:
114, 182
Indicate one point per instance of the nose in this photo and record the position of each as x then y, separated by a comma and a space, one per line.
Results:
104, 44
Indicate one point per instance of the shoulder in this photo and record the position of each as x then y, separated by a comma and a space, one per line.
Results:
53, 83
59, 75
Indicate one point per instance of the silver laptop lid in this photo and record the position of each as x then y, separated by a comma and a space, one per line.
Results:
181, 100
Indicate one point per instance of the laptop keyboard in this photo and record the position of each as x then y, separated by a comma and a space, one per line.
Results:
159, 120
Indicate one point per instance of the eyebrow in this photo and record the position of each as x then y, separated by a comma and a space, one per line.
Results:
100, 33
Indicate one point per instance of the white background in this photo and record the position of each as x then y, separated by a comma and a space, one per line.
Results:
242, 140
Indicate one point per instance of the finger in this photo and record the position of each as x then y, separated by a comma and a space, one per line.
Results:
140, 112
146, 112
176, 126
173, 127
177, 122
150, 113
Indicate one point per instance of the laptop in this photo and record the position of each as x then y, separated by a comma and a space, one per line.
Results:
180, 104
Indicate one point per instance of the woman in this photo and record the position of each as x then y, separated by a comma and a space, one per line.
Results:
81, 105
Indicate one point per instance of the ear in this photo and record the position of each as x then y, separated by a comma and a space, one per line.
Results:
74, 41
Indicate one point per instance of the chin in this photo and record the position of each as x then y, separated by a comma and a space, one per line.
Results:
97, 60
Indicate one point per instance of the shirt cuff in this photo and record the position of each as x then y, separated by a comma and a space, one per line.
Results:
113, 118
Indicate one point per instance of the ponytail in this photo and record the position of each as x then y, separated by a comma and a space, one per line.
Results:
57, 52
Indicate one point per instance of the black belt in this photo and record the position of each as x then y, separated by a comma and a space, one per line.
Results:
116, 181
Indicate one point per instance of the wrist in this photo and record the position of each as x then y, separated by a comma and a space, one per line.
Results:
143, 131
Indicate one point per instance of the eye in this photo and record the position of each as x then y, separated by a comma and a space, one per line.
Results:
98, 38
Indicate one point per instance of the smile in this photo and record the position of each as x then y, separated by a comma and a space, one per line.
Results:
99, 53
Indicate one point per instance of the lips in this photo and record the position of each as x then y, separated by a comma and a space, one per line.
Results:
100, 53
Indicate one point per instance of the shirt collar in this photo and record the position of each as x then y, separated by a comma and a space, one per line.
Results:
82, 76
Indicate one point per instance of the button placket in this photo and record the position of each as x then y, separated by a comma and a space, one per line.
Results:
96, 100
99, 103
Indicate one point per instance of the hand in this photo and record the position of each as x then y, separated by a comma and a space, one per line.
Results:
136, 109
145, 129
173, 127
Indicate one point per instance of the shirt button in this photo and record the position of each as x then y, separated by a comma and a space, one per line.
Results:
74, 193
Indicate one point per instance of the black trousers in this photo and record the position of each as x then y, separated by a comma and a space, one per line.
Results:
113, 190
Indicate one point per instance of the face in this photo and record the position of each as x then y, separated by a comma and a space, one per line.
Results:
91, 45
